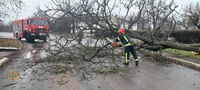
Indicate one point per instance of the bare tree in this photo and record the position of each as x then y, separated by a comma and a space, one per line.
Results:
39, 13
5, 8
158, 12
9, 6
97, 14
95, 18
185, 22
194, 13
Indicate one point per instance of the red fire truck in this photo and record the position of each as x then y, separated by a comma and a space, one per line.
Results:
31, 29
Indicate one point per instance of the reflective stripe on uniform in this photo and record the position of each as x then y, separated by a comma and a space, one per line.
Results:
118, 39
128, 44
137, 59
126, 58
126, 39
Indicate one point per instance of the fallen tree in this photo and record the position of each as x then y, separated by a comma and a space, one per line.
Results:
95, 54
156, 14
159, 45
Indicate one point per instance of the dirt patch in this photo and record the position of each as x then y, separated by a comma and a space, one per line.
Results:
7, 42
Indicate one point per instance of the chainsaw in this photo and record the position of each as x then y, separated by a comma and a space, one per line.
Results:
113, 42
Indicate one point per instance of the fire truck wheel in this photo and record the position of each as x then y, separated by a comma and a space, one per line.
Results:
32, 40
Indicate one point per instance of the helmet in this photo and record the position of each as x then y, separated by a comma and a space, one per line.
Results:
121, 31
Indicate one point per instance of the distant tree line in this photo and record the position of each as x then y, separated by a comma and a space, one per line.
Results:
6, 27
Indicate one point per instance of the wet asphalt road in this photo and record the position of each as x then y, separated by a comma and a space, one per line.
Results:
6, 34
149, 75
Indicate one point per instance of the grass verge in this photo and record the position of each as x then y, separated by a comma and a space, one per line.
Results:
7, 42
182, 53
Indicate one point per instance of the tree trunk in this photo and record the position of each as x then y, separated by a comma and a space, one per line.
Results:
158, 45
181, 46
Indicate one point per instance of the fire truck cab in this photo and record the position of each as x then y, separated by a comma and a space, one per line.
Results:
31, 29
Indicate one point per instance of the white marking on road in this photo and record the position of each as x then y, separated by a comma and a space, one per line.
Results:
2, 61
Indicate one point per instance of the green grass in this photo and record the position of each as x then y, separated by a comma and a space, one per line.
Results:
6, 42
182, 53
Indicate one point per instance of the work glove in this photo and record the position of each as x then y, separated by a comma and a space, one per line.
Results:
115, 44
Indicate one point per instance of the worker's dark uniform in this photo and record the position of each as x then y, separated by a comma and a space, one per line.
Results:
80, 37
125, 41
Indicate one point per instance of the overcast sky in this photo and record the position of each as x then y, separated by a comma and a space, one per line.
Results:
30, 7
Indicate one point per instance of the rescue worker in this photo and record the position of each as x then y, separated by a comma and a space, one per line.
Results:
17, 34
126, 43
80, 37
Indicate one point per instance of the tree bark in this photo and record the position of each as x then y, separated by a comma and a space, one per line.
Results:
158, 45
181, 46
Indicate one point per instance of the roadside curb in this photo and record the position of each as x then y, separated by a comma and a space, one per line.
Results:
185, 62
3, 61
160, 56
9, 48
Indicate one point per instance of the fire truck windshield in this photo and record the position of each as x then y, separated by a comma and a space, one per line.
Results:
39, 22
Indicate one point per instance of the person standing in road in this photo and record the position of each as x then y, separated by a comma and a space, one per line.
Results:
126, 43
80, 37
